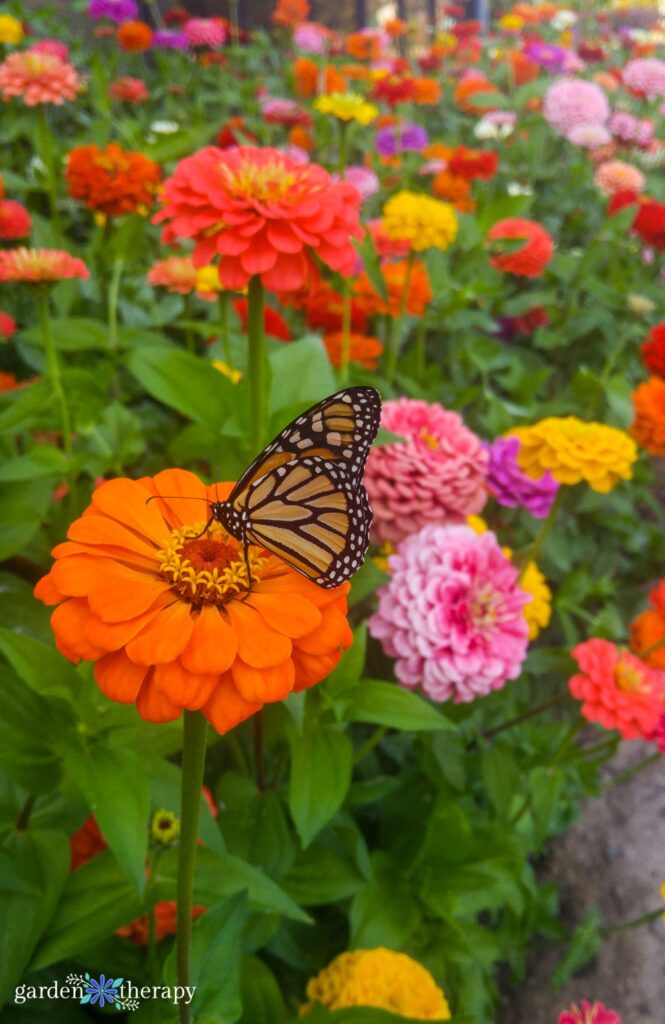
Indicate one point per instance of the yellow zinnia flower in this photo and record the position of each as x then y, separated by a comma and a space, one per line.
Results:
538, 611
381, 979
425, 222
347, 106
573, 451
11, 29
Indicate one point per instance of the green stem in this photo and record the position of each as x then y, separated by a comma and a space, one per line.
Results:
524, 717
187, 310
193, 762
629, 773
54, 369
369, 744
151, 958
259, 764
343, 147
395, 338
224, 326
24, 814
46, 154
114, 292
533, 550
346, 332
634, 922
256, 361
421, 350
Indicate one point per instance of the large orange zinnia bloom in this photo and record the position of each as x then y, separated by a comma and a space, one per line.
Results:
264, 214
648, 427
166, 615
112, 180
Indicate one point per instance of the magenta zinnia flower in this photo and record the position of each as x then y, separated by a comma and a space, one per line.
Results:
114, 10
405, 138
570, 102
451, 614
585, 1013
437, 475
204, 32
510, 485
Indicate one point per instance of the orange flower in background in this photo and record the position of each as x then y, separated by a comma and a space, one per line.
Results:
166, 615
309, 79
165, 923
363, 350
290, 13
274, 323
454, 190
406, 287
473, 163
112, 180
479, 88
648, 427
134, 36
531, 259
178, 274
364, 45
395, 27
323, 308
8, 382
427, 91
264, 214
522, 68
39, 266
301, 137
648, 631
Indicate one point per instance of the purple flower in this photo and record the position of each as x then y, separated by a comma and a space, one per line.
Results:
401, 139
168, 39
116, 10
555, 59
510, 485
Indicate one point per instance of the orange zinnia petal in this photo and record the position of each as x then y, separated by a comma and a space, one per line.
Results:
112, 635
69, 621
152, 706
47, 591
226, 708
294, 618
130, 558
118, 677
266, 684
122, 595
164, 637
178, 482
212, 645
100, 530
259, 646
312, 668
184, 688
125, 501
334, 632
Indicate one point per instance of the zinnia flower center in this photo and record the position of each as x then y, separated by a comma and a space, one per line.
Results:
484, 606
267, 182
629, 678
429, 439
209, 569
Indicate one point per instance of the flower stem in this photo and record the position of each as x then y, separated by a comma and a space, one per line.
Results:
634, 922
531, 553
187, 311
369, 744
346, 332
525, 716
394, 339
46, 154
54, 369
259, 764
421, 351
193, 762
114, 292
256, 360
629, 773
24, 814
224, 326
343, 147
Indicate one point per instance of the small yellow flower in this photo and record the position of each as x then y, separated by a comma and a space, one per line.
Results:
477, 524
574, 450
381, 979
511, 23
11, 29
347, 106
425, 222
206, 282
381, 557
165, 827
538, 611
235, 376
640, 304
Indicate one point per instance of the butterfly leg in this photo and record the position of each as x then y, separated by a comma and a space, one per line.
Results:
245, 551
204, 530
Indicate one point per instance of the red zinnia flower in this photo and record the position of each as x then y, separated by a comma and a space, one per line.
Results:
618, 690
473, 163
264, 214
7, 326
112, 180
273, 323
650, 224
653, 351
15, 221
8, 382
134, 36
129, 90
648, 427
234, 133
532, 258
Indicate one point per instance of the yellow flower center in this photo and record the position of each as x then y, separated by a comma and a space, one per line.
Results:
267, 183
165, 827
208, 569
429, 439
484, 606
629, 678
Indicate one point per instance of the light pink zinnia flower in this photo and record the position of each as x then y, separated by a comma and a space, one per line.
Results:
38, 78
311, 38
627, 128
362, 178
204, 32
617, 176
573, 101
585, 1013
589, 136
436, 476
645, 75
451, 614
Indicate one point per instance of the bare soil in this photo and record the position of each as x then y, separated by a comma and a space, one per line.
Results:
613, 858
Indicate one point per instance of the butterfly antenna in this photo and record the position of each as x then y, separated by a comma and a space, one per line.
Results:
179, 497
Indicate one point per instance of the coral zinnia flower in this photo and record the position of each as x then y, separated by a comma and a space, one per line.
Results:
379, 978
614, 176
648, 427
362, 349
264, 214
473, 163
586, 1013
166, 613
38, 266
134, 36
129, 90
530, 259
38, 78
112, 180
618, 690
290, 12
574, 450
15, 221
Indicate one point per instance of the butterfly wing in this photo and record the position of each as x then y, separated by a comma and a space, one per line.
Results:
340, 428
313, 515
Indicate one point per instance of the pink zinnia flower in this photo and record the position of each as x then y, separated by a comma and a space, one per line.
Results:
628, 128
645, 76
204, 32
616, 176
52, 46
362, 178
129, 90
38, 78
451, 614
570, 102
437, 475
311, 38
585, 1013
618, 690
7, 326
39, 266
278, 110
589, 136
177, 273
15, 221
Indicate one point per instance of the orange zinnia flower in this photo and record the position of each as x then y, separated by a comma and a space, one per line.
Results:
264, 214
112, 180
364, 45
454, 190
134, 36
166, 615
8, 382
522, 68
290, 12
363, 350
479, 87
648, 427
310, 79
427, 91
410, 288
323, 308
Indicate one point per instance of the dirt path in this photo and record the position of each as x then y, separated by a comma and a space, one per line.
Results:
614, 859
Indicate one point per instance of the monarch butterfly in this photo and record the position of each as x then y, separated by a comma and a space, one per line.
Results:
303, 498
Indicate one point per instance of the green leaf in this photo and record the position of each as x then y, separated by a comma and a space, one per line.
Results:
215, 962
321, 762
38, 862
322, 875
262, 1001
255, 825
387, 704
114, 784
384, 913
20, 611
26, 749
186, 383
22, 506
364, 1015
42, 460
71, 334
98, 898
43, 668
584, 946
301, 375
128, 240
500, 776
21, 409
115, 441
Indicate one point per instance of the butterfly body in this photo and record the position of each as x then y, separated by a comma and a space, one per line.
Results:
303, 497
